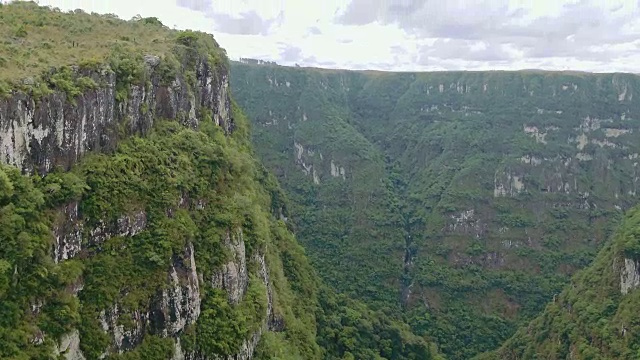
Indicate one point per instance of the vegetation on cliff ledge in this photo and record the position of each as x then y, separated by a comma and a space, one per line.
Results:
43, 48
37, 38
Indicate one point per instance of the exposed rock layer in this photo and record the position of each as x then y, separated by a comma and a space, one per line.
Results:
38, 135
55, 130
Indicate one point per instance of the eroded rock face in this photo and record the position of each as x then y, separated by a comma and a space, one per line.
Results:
179, 305
68, 230
172, 310
507, 184
125, 225
124, 338
70, 347
178, 354
273, 323
233, 277
249, 346
56, 130
467, 222
68, 233
629, 275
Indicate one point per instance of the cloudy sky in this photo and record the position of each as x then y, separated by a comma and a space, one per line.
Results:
589, 35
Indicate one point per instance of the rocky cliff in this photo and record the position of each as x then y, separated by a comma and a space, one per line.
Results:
135, 222
55, 131
40, 134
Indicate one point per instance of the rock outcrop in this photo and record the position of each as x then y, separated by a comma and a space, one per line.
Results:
39, 134
70, 347
629, 275
233, 275
179, 305
173, 309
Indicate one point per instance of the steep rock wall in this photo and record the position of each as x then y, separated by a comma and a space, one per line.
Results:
55, 130
629, 275
38, 135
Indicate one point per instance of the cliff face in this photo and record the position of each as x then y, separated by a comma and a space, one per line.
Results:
447, 188
56, 131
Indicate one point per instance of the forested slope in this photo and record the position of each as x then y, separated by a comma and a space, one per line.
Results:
463, 200
596, 316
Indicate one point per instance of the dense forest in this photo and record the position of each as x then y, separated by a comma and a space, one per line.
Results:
464, 201
596, 316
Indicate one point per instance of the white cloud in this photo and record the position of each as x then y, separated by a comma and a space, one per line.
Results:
588, 35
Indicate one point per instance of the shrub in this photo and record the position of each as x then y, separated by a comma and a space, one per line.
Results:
21, 31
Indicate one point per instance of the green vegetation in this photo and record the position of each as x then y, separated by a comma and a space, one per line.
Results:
468, 198
152, 174
140, 210
37, 38
146, 174
27, 272
590, 319
349, 330
443, 208
41, 45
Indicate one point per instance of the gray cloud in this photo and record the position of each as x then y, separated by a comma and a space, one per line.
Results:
312, 61
463, 50
249, 23
398, 50
290, 53
326, 64
434, 18
314, 30
197, 5
576, 32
